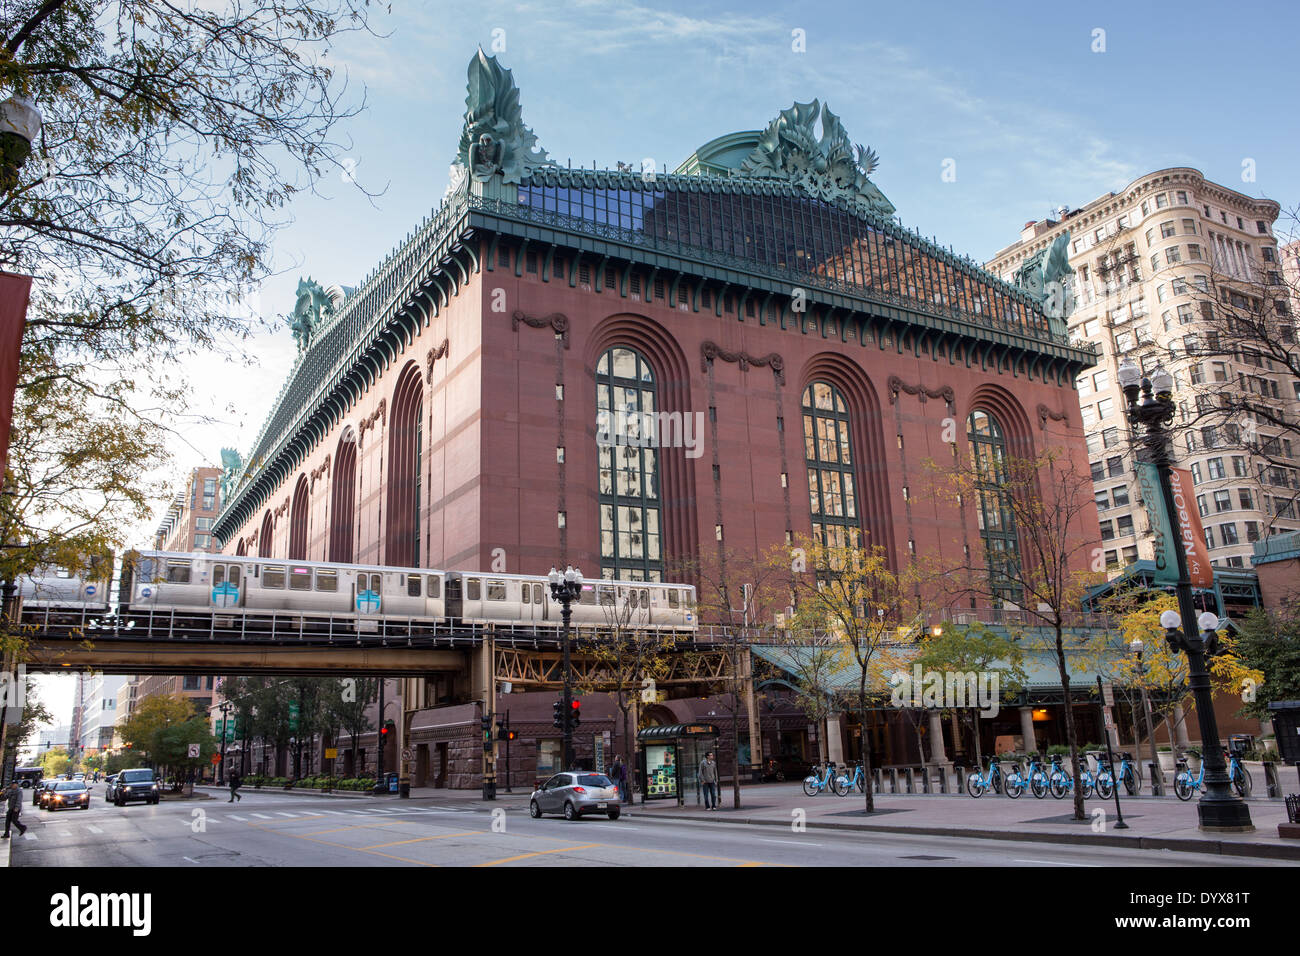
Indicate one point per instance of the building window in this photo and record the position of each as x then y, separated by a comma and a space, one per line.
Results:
1229, 533
1124, 525
1115, 466
1119, 495
828, 455
628, 491
996, 523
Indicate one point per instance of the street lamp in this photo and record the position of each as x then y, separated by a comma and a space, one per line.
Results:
566, 588
1220, 809
1157, 778
225, 727
20, 124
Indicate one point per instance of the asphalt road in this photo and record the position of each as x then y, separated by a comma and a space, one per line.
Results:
265, 830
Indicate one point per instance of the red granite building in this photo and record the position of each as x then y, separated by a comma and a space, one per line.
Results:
452, 410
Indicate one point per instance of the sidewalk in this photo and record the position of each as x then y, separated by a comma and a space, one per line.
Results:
1156, 823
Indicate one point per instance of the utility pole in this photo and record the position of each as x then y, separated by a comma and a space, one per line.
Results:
566, 588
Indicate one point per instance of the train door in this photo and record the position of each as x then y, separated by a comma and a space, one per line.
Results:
367, 591
227, 589
455, 597
541, 606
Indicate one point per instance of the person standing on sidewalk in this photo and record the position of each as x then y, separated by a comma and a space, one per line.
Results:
13, 809
235, 781
709, 781
618, 773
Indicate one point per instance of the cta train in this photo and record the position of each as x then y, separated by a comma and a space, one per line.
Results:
371, 596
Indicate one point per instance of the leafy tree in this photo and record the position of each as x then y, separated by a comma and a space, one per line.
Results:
35, 714
125, 760
815, 667
142, 731
56, 761
174, 138
1269, 642
978, 649
172, 743
349, 708
1049, 504
853, 595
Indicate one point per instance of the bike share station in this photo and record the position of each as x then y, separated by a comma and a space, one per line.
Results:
670, 760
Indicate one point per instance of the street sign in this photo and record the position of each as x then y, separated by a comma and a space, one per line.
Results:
331, 753
195, 750
1108, 694
407, 754
1110, 720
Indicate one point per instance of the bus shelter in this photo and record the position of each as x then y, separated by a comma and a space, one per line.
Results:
670, 760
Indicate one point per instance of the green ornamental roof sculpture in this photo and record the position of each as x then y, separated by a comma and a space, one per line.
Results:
494, 138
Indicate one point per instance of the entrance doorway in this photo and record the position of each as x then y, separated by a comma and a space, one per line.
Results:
440, 765
421, 764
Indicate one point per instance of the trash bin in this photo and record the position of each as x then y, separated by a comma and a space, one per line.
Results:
392, 779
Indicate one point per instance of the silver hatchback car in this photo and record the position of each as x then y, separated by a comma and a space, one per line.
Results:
575, 793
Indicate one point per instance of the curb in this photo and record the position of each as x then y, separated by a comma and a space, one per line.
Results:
1179, 845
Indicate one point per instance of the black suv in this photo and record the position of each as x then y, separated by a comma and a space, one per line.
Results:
138, 784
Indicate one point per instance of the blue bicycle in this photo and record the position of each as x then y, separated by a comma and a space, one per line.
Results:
817, 781
977, 784
1062, 783
1033, 778
1185, 784
1129, 775
847, 783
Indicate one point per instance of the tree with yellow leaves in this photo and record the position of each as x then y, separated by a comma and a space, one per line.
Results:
854, 596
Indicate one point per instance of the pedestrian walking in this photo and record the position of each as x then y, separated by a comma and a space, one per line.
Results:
14, 809
235, 781
709, 781
618, 773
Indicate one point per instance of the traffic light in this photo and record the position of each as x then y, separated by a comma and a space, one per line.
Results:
558, 710
501, 730
386, 732
575, 713
510, 735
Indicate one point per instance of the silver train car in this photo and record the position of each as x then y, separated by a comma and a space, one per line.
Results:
155, 581
58, 589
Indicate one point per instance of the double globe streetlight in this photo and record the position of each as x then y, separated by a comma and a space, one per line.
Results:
1220, 809
566, 588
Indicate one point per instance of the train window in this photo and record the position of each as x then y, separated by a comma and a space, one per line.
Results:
496, 591
588, 596
233, 574
472, 589
218, 574
606, 597
537, 594
672, 598
327, 580
148, 569
434, 588
645, 597
62, 573
178, 572
412, 585
272, 577
300, 579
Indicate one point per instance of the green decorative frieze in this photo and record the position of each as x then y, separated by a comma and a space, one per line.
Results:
494, 138
828, 166
314, 306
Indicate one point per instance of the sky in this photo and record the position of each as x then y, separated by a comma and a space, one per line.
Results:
1028, 107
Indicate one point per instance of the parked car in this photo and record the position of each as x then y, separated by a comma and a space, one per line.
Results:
574, 794
69, 793
110, 793
137, 784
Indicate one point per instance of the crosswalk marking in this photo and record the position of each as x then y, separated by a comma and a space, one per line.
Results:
334, 813
93, 829
283, 814
263, 816
235, 816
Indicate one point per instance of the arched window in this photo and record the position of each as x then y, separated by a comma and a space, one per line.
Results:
828, 454
343, 499
405, 440
298, 521
628, 492
988, 449
266, 536
241, 549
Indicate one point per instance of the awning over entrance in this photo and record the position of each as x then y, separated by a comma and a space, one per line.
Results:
673, 731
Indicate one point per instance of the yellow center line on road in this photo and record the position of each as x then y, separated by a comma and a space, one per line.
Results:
445, 836
525, 856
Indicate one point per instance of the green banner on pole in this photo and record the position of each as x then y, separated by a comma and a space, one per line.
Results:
1166, 561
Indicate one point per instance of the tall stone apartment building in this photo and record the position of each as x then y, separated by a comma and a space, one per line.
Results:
1159, 265
187, 525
